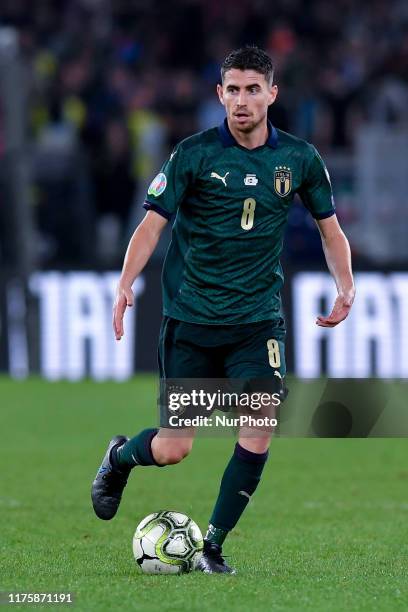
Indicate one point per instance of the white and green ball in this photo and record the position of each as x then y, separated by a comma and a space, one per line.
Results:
167, 542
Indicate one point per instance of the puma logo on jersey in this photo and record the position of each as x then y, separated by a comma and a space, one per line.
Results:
220, 178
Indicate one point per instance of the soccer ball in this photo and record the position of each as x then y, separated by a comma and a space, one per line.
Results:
167, 542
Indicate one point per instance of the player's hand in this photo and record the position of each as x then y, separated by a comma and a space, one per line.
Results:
124, 298
340, 311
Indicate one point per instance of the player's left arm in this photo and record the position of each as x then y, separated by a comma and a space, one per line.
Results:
336, 249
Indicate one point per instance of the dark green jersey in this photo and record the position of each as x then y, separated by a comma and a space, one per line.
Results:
231, 206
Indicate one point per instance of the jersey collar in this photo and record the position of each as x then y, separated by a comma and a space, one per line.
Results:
228, 140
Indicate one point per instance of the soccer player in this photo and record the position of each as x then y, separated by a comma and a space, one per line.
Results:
230, 189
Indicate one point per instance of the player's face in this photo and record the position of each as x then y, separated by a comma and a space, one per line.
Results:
246, 96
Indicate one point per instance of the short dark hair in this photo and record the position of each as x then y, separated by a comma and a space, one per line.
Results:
249, 58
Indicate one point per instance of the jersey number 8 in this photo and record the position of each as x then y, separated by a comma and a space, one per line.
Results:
273, 353
247, 219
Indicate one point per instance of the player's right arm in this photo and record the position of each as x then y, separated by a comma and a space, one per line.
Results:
140, 248
165, 193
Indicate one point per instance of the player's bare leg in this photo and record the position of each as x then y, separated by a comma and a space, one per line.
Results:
172, 445
158, 447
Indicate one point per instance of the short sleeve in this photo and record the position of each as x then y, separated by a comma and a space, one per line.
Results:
315, 190
169, 186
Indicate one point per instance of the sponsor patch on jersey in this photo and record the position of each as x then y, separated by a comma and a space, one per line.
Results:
158, 185
282, 180
250, 179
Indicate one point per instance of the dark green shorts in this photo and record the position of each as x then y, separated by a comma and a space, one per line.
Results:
190, 350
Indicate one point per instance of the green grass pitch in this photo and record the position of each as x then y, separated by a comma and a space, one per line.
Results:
327, 529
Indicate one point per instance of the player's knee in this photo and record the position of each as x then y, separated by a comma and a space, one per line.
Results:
174, 451
255, 445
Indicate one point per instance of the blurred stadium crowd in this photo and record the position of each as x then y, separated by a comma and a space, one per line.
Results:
112, 86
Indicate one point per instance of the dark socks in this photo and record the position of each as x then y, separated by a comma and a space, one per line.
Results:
240, 479
137, 451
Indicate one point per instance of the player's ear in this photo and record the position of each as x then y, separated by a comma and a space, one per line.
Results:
273, 94
220, 93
